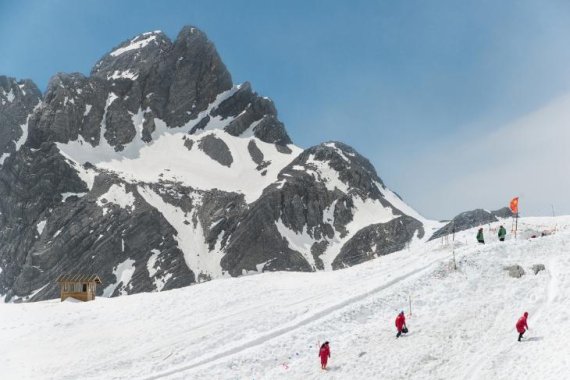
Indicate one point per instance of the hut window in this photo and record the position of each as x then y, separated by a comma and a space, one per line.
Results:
84, 288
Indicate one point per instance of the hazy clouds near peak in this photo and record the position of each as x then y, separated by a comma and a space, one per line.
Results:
529, 157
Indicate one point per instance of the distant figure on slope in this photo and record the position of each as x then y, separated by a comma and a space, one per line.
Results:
521, 325
480, 238
401, 324
502, 233
325, 354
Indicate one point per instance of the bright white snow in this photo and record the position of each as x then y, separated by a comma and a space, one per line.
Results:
147, 162
190, 236
268, 326
127, 74
123, 272
40, 226
117, 194
136, 43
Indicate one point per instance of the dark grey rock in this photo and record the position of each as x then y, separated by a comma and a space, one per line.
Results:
188, 143
17, 101
538, 267
201, 124
254, 152
504, 212
378, 240
217, 149
197, 77
515, 271
470, 219
248, 108
283, 149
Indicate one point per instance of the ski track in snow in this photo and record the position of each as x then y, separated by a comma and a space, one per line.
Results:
274, 334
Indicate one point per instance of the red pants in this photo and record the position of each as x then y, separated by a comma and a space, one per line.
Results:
324, 360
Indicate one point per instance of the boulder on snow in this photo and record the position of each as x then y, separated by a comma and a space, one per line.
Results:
537, 268
515, 271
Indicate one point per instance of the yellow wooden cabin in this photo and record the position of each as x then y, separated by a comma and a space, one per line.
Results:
79, 286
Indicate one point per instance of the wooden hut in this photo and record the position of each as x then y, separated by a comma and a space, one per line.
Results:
79, 286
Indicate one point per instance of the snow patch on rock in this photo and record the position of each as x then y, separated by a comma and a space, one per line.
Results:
300, 242
123, 272
190, 237
136, 43
40, 226
117, 194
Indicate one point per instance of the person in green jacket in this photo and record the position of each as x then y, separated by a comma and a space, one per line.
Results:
502, 233
480, 238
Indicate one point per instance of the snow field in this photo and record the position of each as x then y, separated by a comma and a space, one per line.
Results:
268, 326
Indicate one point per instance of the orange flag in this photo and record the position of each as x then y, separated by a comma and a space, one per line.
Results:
515, 205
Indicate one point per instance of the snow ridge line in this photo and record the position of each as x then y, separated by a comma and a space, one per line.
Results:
284, 330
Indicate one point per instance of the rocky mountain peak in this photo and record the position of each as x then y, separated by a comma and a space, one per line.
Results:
133, 56
156, 172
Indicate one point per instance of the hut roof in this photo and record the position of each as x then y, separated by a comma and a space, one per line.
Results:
79, 278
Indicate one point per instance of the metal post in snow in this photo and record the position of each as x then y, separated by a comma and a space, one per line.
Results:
453, 246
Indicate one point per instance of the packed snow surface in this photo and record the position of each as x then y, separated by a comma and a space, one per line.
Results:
268, 326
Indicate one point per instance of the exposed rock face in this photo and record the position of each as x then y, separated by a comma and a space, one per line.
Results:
17, 101
378, 240
316, 210
538, 267
156, 172
252, 115
217, 149
471, 219
515, 271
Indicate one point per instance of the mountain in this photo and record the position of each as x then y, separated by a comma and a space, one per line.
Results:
156, 171
471, 219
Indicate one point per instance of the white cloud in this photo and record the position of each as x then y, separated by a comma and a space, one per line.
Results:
529, 157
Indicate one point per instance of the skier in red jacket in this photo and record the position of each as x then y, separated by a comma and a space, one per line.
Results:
401, 324
325, 354
521, 325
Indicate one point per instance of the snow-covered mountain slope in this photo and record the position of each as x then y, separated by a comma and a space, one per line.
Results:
268, 326
156, 171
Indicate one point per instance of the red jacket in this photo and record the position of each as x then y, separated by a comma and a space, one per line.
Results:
325, 352
521, 325
400, 322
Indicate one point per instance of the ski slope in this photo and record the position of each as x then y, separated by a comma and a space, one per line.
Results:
268, 326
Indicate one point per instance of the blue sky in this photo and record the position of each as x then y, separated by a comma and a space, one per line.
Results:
406, 83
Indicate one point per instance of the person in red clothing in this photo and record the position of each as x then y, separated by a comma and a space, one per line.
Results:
325, 354
521, 325
401, 324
